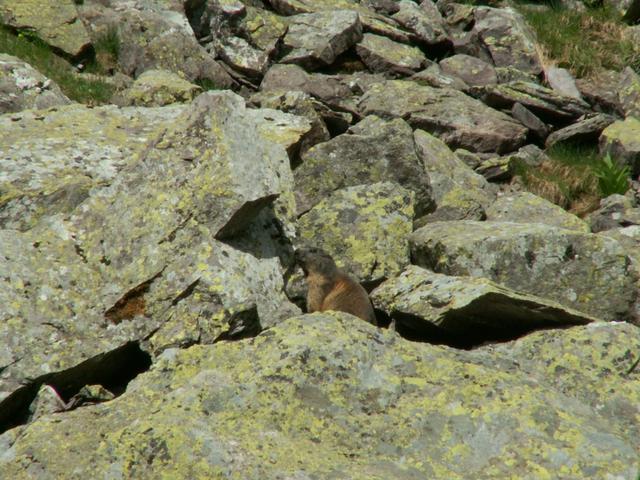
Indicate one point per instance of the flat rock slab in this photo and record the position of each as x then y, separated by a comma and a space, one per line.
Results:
52, 159
381, 54
473, 71
578, 270
56, 22
316, 39
562, 82
547, 104
467, 306
587, 130
524, 205
424, 21
459, 120
621, 139
364, 228
372, 151
314, 396
23, 87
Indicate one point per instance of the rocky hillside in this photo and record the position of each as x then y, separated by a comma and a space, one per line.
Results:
150, 322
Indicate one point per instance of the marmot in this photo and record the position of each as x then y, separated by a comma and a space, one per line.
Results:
329, 288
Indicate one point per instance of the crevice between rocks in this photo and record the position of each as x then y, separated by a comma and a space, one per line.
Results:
113, 370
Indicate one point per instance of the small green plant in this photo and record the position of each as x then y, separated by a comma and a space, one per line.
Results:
27, 46
107, 49
612, 177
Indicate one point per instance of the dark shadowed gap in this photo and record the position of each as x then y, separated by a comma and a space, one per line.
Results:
113, 370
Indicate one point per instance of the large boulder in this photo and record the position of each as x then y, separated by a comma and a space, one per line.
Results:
372, 151
364, 228
329, 396
465, 310
507, 37
381, 54
459, 120
23, 87
56, 22
316, 39
542, 260
471, 70
156, 88
424, 21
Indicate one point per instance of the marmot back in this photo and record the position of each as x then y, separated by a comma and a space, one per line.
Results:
329, 288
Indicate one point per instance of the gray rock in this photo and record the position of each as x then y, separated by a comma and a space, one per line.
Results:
316, 39
264, 28
562, 82
156, 88
615, 211
459, 192
433, 76
545, 103
534, 258
56, 22
601, 91
629, 92
466, 307
52, 160
457, 119
381, 54
241, 56
364, 228
471, 70
149, 41
497, 169
22, 87
367, 390
536, 126
373, 151
524, 205
423, 21
586, 131
621, 140
508, 38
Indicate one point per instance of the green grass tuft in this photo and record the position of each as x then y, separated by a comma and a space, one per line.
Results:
583, 42
612, 178
28, 47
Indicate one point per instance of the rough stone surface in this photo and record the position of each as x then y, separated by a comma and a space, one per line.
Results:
621, 139
52, 160
584, 131
433, 76
264, 28
548, 105
629, 93
381, 54
22, 87
601, 91
466, 306
316, 39
524, 205
240, 55
56, 22
537, 127
579, 270
156, 88
364, 228
373, 151
457, 119
562, 82
615, 211
508, 38
459, 192
423, 21
470, 69
329, 396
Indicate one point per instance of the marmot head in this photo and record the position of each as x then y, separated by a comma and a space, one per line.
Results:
315, 260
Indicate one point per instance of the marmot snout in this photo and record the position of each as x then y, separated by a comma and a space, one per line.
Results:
329, 288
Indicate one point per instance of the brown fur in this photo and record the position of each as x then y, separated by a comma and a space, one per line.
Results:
329, 288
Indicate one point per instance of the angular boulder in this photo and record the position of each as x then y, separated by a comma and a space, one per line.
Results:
457, 119
372, 151
424, 21
471, 70
364, 228
621, 140
157, 88
331, 387
381, 54
586, 131
466, 308
316, 39
534, 258
56, 22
